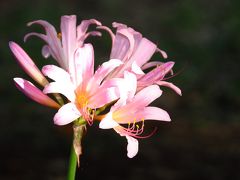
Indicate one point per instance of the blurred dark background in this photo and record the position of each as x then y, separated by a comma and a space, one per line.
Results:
203, 140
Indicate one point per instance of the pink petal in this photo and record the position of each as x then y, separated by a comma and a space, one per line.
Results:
153, 113
46, 51
109, 31
136, 69
62, 88
156, 74
51, 38
66, 114
27, 64
69, 37
130, 84
103, 97
146, 96
123, 45
170, 85
104, 70
132, 147
164, 54
144, 52
82, 29
107, 122
56, 73
34, 93
151, 64
84, 63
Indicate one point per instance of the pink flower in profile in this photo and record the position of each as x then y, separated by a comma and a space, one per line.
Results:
135, 51
32, 70
62, 46
132, 108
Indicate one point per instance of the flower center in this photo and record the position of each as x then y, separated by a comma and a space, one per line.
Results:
82, 99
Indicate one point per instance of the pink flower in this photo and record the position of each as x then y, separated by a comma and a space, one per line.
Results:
135, 51
132, 109
62, 46
32, 70
85, 91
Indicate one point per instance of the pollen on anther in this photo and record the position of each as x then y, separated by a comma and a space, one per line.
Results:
59, 35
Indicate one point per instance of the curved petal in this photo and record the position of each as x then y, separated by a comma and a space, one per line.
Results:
107, 122
147, 95
64, 89
170, 85
51, 38
153, 113
164, 54
132, 147
104, 70
46, 51
34, 93
107, 29
122, 46
40, 35
156, 74
56, 73
82, 29
151, 64
66, 114
27, 64
136, 69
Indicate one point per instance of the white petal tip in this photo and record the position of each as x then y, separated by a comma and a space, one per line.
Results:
108, 123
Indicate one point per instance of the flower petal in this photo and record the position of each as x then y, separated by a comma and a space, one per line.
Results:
66, 114
104, 70
153, 113
144, 52
107, 122
84, 64
64, 89
56, 73
69, 37
27, 64
34, 93
46, 51
170, 85
122, 45
103, 97
132, 147
136, 69
147, 95
82, 29
51, 38
156, 74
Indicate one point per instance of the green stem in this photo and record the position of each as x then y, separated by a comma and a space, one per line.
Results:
79, 128
72, 165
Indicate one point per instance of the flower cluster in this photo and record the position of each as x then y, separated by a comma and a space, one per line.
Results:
126, 84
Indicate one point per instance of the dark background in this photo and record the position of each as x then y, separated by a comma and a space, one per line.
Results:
203, 140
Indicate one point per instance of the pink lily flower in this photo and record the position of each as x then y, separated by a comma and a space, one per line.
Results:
135, 51
132, 109
86, 91
62, 46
